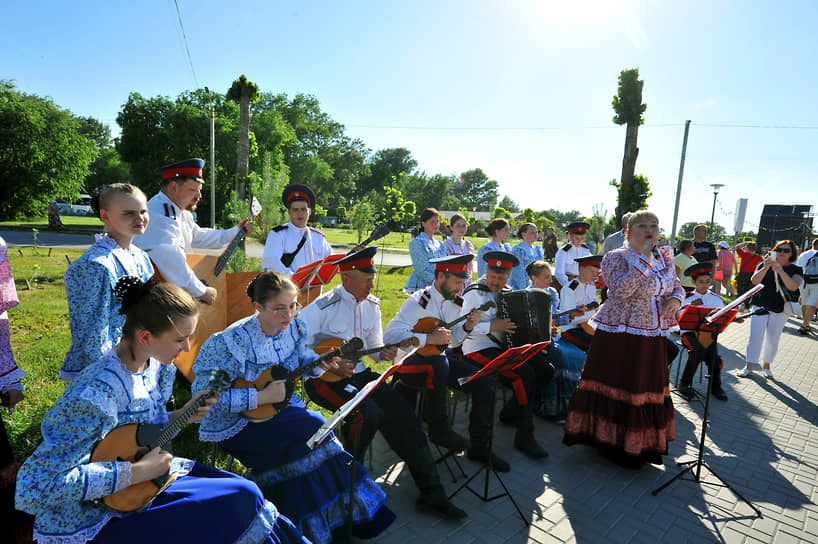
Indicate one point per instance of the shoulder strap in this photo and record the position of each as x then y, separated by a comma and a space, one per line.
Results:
287, 258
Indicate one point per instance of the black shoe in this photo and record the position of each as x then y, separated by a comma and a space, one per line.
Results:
449, 440
687, 392
481, 454
508, 414
719, 393
526, 443
434, 501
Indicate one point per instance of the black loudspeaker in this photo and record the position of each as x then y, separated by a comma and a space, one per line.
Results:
784, 222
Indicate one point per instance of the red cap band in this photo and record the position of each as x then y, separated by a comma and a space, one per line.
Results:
365, 262
454, 268
499, 263
179, 172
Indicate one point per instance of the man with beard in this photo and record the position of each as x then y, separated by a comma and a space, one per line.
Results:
441, 301
481, 347
173, 232
346, 312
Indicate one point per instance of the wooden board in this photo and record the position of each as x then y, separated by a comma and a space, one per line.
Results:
231, 305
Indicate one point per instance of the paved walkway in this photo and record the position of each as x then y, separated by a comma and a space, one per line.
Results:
763, 441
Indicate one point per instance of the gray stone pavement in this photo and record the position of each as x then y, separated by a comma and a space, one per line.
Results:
763, 441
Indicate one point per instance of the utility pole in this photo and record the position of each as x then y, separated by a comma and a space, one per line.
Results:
679, 184
212, 162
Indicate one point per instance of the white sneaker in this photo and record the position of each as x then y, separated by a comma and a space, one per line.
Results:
767, 373
744, 372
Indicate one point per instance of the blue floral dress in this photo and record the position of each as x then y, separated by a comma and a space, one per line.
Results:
60, 486
421, 249
93, 310
490, 246
310, 486
527, 255
551, 400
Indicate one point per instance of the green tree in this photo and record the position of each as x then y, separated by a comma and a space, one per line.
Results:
243, 92
43, 154
562, 219
385, 168
391, 210
501, 212
628, 106
476, 191
362, 217
341, 213
409, 212
509, 204
529, 216
598, 224
632, 198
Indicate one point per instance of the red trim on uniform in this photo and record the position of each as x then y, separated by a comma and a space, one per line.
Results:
576, 339
355, 264
517, 385
478, 358
174, 172
326, 392
500, 263
577, 230
296, 194
454, 268
419, 369
516, 381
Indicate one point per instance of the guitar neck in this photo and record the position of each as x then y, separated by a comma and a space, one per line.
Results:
170, 431
360, 353
293, 374
228, 252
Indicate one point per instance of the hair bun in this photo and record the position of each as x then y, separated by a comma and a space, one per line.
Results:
251, 287
129, 289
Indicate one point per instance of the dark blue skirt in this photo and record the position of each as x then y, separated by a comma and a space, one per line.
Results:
312, 487
206, 505
551, 401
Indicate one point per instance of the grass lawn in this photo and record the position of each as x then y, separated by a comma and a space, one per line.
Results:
72, 222
41, 336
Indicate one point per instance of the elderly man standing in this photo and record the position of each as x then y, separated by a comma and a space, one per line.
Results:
173, 232
617, 239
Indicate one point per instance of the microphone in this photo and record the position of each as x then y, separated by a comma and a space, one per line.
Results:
657, 253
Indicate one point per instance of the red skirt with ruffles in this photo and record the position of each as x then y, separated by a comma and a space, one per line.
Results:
622, 404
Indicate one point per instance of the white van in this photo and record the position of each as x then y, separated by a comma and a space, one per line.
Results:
80, 207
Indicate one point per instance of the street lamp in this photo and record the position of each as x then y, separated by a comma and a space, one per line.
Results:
716, 188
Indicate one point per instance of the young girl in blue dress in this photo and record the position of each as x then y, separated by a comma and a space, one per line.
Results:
62, 487
551, 401
422, 248
93, 310
310, 486
499, 229
527, 252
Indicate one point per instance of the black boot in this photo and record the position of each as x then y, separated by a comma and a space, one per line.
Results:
432, 498
436, 414
508, 414
524, 437
479, 429
715, 386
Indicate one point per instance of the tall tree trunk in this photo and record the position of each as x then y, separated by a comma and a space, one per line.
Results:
628, 167
243, 159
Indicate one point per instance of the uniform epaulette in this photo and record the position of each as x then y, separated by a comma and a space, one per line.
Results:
477, 287
586, 246
690, 294
279, 228
326, 302
318, 231
425, 297
458, 300
566, 247
373, 299
573, 285
170, 211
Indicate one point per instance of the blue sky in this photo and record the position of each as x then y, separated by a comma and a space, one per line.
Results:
521, 89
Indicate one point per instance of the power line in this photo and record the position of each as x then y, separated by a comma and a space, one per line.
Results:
588, 127
413, 127
184, 39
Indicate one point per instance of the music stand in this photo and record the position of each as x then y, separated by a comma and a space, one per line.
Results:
316, 274
350, 409
715, 324
508, 360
